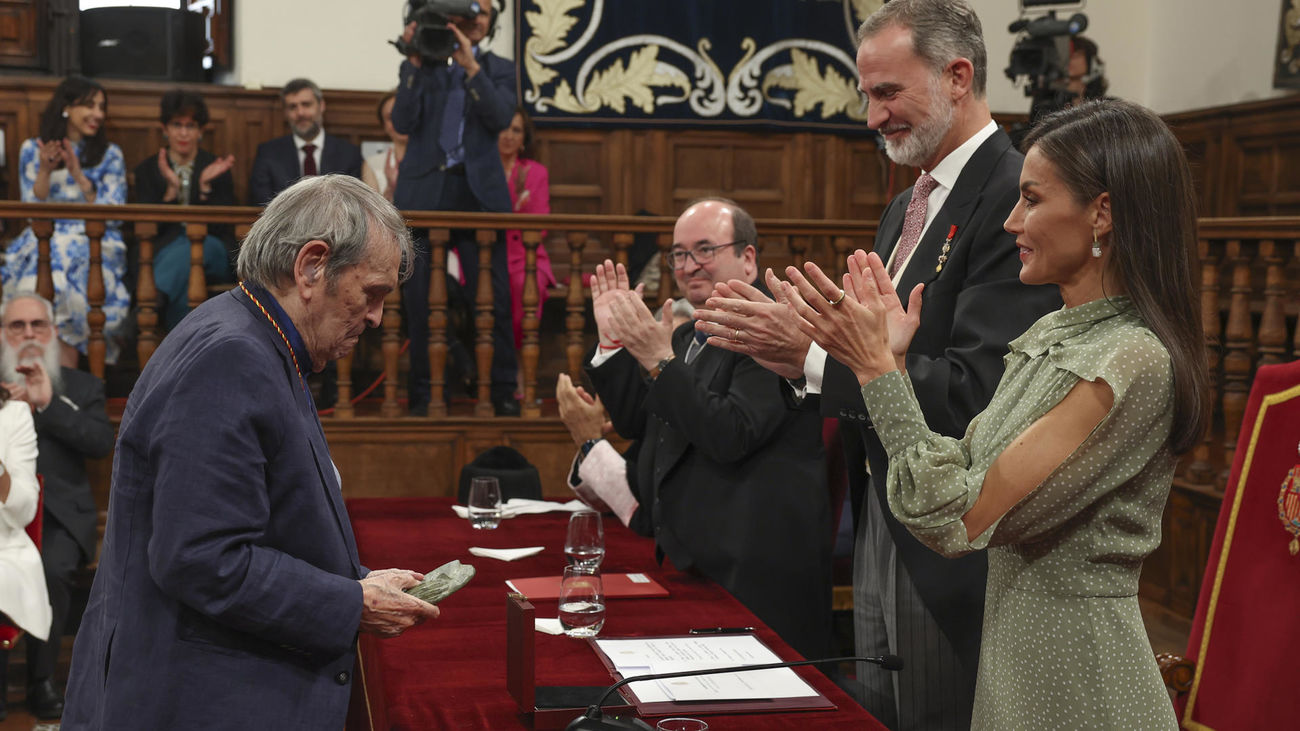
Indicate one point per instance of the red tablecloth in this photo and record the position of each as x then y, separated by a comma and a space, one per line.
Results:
451, 673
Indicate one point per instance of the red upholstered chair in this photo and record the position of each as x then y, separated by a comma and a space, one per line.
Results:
9, 633
1240, 667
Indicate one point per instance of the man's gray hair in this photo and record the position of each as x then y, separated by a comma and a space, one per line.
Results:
942, 31
337, 209
296, 85
49, 306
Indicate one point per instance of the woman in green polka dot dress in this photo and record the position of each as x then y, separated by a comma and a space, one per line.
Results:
1064, 477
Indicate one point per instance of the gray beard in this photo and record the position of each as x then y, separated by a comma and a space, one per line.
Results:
49, 357
920, 144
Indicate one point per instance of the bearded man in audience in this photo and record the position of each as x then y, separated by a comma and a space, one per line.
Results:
71, 427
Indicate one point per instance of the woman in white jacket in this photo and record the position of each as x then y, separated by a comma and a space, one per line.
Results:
24, 600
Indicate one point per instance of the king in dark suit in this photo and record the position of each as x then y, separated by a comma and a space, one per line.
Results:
229, 593
71, 427
946, 233
732, 476
281, 161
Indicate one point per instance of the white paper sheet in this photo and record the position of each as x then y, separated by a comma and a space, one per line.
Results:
640, 656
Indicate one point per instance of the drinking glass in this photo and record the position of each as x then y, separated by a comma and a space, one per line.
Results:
484, 503
681, 724
582, 602
584, 546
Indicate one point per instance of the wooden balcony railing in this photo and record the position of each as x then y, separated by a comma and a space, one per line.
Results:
1249, 269
588, 239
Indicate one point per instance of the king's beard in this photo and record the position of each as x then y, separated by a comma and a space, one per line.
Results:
30, 353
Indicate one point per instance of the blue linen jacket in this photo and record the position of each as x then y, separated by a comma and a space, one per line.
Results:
227, 594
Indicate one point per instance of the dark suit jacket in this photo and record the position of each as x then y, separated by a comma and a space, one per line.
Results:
227, 589
150, 186
418, 110
72, 429
734, 480
276, 166
972, 308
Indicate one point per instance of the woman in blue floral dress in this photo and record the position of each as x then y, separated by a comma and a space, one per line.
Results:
72, 162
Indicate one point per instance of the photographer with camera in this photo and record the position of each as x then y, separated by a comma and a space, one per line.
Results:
453, 100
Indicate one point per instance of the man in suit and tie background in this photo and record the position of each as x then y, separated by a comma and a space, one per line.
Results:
229, 592
732, 476
453, 110
923, 66
306, 151
71, 427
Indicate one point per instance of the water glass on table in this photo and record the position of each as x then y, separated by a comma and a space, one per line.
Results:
582, 602
484, 503
584, 544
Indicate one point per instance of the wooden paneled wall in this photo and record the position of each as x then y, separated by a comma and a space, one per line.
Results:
775, 175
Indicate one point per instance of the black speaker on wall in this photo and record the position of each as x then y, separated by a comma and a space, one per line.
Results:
162, 44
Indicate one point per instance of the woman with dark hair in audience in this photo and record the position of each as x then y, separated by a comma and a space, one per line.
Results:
530, 192
24, 600
184, 173
1064, 477
380, 170
72, 162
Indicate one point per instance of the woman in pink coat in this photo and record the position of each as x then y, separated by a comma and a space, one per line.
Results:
530, 192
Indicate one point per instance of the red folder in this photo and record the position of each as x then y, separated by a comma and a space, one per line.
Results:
617, 586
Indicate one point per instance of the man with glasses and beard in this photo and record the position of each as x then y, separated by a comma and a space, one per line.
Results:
71, 427
923, 66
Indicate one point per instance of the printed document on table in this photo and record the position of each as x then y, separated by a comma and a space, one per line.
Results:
643, 655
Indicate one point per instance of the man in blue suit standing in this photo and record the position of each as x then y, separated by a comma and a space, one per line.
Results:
453, 112
307, 151
229, 592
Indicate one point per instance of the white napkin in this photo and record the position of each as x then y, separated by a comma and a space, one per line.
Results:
505, 554
549, 626
524, 506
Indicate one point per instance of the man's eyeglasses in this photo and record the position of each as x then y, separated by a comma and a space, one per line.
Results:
700, 254
18, 327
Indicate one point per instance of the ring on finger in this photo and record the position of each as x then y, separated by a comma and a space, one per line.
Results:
837, 300
735, 334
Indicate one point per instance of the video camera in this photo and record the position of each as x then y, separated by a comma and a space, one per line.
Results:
1041, 57
433, 40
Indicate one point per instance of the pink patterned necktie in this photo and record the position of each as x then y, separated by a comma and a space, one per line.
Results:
913, 221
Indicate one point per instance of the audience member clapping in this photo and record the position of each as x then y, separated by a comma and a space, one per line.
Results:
73, 162
380, 170
184, 173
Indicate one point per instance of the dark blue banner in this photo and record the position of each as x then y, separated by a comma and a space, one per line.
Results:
738, 63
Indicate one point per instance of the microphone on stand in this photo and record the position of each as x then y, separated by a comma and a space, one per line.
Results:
594, 720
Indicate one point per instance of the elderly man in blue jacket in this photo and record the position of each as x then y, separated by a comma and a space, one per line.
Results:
229, 593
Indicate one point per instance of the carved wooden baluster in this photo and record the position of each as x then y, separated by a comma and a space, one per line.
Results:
95, 346
198, 290
146, 295
1272, 321
842, 245
343, 406
531, 349
43, 228
622, 242
1201, 470
438, 238
392, 350
487, 240
666, 280
1238, 339
799, 246
575, 320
